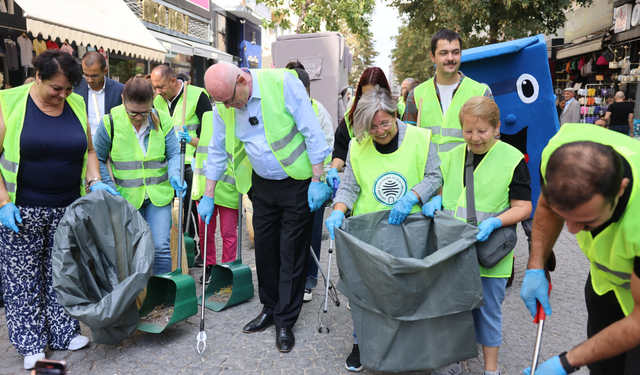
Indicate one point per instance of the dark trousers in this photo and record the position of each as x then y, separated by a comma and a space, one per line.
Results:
624, 129
188, 177
282, 224
603, 311
316, 245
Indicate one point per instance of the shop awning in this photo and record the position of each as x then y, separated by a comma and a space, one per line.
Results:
580, 49
173, 44
209, 52
109, 24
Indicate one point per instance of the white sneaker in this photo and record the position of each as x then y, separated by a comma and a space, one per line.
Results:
452, 369
492, 373
78, 342
30, 360
308, 295
348, 306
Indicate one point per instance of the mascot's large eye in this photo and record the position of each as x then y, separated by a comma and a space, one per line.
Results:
528, 88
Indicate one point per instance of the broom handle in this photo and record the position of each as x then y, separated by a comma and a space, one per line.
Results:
239, 254
419, 113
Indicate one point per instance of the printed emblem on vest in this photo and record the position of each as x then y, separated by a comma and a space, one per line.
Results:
389, 188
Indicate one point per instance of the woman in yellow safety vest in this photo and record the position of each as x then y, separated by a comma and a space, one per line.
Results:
389, 166
502, 197
145, 159
46, 156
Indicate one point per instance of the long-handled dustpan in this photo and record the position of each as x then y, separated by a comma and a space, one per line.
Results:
171, 288
232, 278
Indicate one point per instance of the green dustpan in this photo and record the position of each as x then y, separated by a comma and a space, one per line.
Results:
233, 273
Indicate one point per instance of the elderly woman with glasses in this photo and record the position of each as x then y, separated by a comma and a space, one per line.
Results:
145, 162
389, 166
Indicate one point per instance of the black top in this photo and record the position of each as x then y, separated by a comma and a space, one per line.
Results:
204, 105
520, 187
390, 147
341, 141
51, 158
620, 113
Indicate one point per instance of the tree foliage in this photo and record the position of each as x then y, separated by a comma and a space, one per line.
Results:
362, 47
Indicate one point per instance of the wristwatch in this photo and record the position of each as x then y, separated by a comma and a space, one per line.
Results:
566, 365
320, 177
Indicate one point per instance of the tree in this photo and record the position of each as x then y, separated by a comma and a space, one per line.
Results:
489, 20
362, 47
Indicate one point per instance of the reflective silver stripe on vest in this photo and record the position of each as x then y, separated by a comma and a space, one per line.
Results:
192, 127
241, 158
10, 186
622, 275
228, 179
449, 212
279, 145
448, 146
451, 132
480, 215
7, 164
202, 149
155, 164
126, 165
434, 129
289, 160
138, 182
198, 172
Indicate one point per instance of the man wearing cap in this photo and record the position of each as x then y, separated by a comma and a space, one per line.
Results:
571, 112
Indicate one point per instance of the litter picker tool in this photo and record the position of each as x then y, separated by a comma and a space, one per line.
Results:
202, 335
189, 241
540, 318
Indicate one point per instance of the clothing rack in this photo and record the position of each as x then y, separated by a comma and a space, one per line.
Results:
13, 28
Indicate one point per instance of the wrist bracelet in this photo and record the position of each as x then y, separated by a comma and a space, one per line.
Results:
93, 181
5, 203
566, 365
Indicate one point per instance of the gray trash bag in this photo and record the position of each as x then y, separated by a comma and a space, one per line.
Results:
102, 259
412, 288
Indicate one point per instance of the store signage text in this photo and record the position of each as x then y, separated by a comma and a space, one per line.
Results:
586, 20
155, 13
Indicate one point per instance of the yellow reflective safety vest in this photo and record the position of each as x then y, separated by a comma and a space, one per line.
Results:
133, 172
613, 251
286, 142
385, 178
491, 180
446, 129
401, 106
226, 194
14, 105
191, 119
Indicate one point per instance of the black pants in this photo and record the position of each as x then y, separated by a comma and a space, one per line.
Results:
603, 311
188, 177
282, 224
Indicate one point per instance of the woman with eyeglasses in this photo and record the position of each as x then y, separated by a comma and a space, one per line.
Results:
46, 156
389, 166
145, 158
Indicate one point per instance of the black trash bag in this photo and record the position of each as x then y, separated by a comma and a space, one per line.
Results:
412, 288
102, 259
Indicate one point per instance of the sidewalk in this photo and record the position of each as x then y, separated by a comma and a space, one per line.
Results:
229, 351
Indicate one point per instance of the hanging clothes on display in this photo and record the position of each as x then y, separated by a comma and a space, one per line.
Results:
26, 50
39, 45
52, 45
67, 48
11, 54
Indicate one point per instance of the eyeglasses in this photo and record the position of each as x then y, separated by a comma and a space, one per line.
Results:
230, 103
92, 76
134, 114
383, 126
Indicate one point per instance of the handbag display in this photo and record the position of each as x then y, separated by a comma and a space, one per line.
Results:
501, 241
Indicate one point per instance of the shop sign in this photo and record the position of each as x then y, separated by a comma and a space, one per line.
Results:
155, 13
588, 20
622, 17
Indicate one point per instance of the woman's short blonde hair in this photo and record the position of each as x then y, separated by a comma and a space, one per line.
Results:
374, 100
482, 107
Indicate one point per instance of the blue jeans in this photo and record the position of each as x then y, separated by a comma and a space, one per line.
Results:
159, 219
316, 245
624, 129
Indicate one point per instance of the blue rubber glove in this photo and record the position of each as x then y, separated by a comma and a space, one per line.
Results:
175, 184
205, 208
549, 367
334, 221
318, 193
102, 186
434, 204
9, 214
487, 227
535, 287
332, 176
402, 208
184, 134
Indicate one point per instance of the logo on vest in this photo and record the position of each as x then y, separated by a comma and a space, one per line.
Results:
389, 188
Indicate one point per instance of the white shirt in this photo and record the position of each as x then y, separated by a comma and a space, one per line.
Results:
170, 102
94, 119
141, 134
446, 95
326, 123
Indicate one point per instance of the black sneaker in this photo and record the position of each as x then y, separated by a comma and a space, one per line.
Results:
207, 274
198, 262
353, 360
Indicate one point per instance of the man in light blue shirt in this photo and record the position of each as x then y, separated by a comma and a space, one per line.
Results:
285, 189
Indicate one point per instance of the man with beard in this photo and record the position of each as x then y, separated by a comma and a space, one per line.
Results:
443, 95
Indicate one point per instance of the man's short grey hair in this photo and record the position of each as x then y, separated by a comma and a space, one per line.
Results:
409, 80
376, 99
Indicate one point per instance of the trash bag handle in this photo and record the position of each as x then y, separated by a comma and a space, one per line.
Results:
471, 202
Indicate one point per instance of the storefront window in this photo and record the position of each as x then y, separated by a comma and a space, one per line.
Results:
122, 69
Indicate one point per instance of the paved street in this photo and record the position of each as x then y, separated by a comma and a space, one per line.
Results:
229, 351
